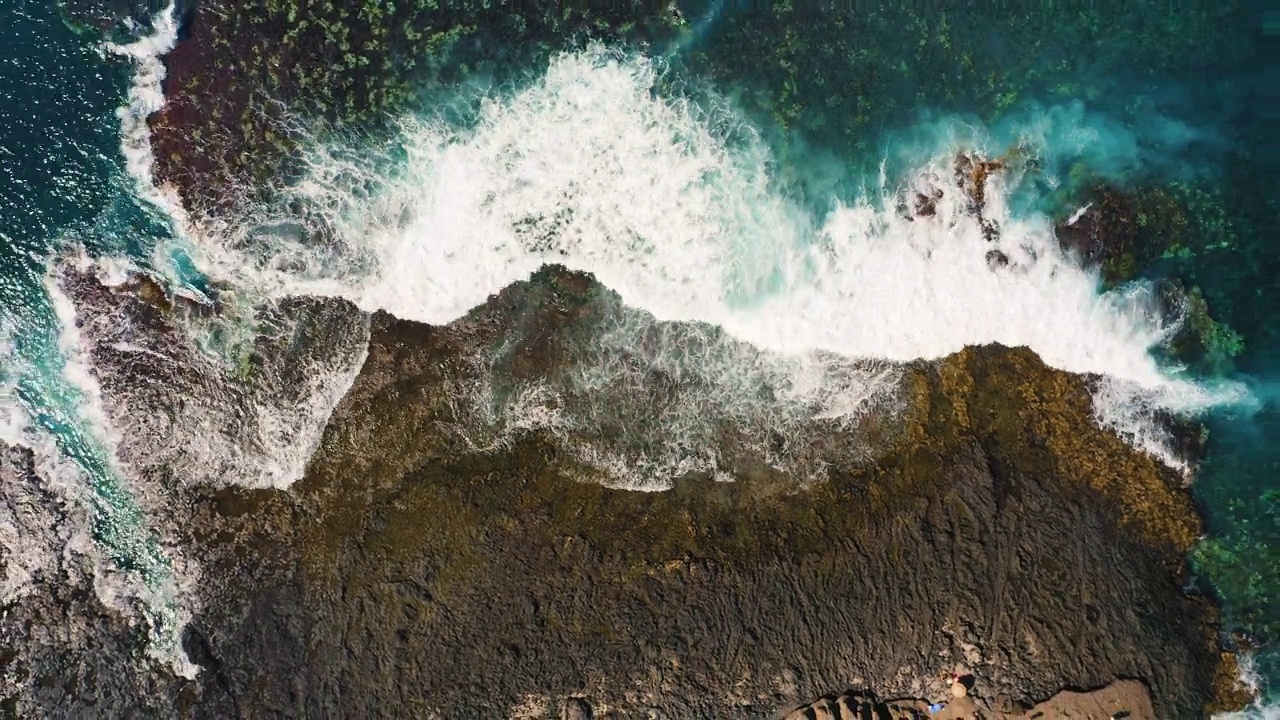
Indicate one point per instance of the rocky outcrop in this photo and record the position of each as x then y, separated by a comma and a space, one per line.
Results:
211, 391
410, 572
64, 650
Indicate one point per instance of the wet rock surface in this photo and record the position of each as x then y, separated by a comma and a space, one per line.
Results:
64, 652
1121, 699
412, 573
246, 408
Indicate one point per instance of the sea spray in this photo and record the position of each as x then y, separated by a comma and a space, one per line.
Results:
146, 96
155, 208
1115, 400
74, 412
647, 402
278, 434
1067, 143
674, 205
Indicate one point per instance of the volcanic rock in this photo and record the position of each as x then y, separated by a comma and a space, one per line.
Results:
413, 571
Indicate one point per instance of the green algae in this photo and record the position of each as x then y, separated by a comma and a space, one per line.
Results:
840, 79
1243, 562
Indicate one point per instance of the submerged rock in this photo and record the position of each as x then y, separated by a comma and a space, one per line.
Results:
1162, 231
234, 135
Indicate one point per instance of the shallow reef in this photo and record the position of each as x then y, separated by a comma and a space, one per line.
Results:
827, 82
1167, 231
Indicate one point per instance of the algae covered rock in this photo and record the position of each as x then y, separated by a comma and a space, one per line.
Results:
415, 569
996, 526
1131, 232
1172, 232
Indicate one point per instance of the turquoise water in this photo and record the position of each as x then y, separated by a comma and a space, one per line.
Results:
62, 181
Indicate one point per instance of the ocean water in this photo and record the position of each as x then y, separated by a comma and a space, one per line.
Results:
65, 186
693, 208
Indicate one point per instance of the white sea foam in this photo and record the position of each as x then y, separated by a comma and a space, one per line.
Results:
146, 96
289, 428
158, 589
45, 533
1251, 679
49, 518
672, 204
203, 413
41, 524
1253, 712
13, 417
76, 368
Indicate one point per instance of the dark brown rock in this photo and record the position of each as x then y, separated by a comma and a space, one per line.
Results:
996, 528
983, 535
64, 651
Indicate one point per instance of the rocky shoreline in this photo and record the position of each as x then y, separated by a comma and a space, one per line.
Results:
426, 564
996, 532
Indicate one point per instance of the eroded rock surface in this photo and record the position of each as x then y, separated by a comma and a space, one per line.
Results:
997, 528
64, 651
415, 572
247, 408
1121, 699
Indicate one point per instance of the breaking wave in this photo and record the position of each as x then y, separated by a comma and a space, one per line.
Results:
74, 516
1251, 679
673, 203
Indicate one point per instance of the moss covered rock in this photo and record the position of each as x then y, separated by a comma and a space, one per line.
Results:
409, 571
